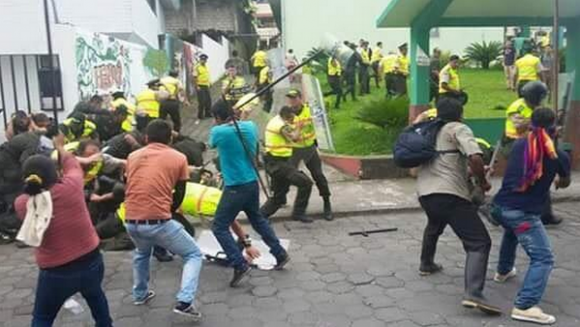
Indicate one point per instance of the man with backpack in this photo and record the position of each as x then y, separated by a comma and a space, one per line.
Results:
444, 190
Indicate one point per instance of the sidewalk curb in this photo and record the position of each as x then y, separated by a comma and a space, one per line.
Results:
394, 209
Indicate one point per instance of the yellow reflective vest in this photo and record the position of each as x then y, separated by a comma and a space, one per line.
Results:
260, 58
234, 89
377, 55
202, 75
127, 125
171, 84
305, 125
88, 129
389, 64
523, 110
364, 53
453, 82
265, 76
276, 144
200, 200
403, 62
528, 68
147, 101
334, 68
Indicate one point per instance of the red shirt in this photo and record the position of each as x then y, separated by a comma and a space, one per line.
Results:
70, 234
152, 173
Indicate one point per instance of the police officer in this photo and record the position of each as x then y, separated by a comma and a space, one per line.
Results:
403, 71
528, 69
112, 124
119, 100
306, 148
264, 80
148, 102
449, 82
202, 84
389, 66
234, 87
172, 105
350, 72
363, 69
78, 127
334, 72
376, 57
280, 137
259, 60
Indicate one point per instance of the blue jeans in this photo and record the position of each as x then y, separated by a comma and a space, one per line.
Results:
244, 198
172, 236
526, 229
56, 285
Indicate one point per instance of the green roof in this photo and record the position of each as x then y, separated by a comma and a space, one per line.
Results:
402, 13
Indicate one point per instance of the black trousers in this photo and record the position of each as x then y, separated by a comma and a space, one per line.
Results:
400, 86
350, 82
461, 215
364, 79
376, 75
204, 102
267, 98
335, 84
312, 161
284, 175
390, 83
172, 108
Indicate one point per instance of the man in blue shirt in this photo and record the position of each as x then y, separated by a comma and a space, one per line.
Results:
532, 168
241, 191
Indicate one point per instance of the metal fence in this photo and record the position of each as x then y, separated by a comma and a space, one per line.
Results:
27, 84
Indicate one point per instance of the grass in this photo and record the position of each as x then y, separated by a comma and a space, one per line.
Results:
488, 98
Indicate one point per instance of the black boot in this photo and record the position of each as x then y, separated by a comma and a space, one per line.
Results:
475, 271
327, 209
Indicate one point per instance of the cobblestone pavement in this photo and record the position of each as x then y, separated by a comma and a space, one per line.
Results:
334, 280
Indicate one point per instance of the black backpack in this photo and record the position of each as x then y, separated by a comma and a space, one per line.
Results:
415, 145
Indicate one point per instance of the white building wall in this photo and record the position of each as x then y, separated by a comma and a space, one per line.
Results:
218, 54
22, 27
306, 21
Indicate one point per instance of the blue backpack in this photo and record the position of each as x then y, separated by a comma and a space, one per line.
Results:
415, 145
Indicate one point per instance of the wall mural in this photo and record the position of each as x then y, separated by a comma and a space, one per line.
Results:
103, 64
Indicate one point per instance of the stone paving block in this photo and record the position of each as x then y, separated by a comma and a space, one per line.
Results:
264, 291
368, 322
391, 314
297, 305
340, 287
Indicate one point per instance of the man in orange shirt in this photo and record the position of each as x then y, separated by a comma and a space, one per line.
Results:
153, 172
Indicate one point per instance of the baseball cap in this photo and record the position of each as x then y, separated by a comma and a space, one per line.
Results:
294, 93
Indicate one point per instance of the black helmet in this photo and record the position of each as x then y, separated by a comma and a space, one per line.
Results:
534, 92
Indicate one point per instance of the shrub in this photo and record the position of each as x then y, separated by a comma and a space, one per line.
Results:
483, 53
385, 112
320, 61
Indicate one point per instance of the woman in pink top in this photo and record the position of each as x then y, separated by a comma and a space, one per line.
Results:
68, 256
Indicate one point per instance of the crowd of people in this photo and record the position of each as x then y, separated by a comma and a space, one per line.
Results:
131, 180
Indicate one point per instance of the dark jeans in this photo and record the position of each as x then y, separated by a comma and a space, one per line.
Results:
364, 79
244, 198
56, 285
350, 82
400, 84
204, 102
312, 161
171, 107
267, 98
335, 84
461, 215
284, 175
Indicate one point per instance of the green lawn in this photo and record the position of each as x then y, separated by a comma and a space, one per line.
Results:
487, 95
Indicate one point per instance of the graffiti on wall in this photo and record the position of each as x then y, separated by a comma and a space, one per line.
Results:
103, 65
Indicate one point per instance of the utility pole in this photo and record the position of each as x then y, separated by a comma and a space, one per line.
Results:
51, 63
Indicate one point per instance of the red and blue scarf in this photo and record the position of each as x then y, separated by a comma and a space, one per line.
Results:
539, 144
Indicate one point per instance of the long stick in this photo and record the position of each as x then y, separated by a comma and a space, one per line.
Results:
556, 43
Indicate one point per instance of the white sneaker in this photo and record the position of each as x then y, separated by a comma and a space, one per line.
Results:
533, 314
498, 278
197, 122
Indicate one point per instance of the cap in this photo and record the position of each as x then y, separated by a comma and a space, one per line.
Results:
153, 82
404, 45
203, 56
293, 93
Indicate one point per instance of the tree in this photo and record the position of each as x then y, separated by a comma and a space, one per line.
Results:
484, 53
156, 62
